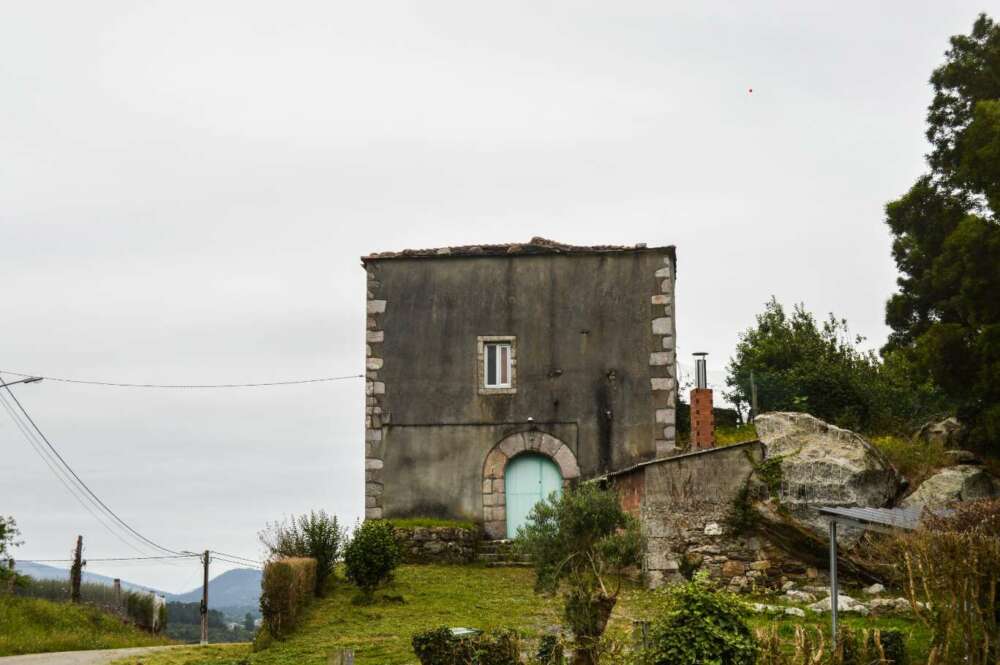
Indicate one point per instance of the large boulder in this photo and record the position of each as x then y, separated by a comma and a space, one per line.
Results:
945, 432
954, 483
824, 465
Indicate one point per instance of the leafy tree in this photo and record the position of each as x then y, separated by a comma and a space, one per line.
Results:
316, 535
584, 540
946, 229
371, 556
8, 537
248, 623
8, 541
799, 365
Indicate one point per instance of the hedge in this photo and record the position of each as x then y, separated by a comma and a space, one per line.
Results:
286, 588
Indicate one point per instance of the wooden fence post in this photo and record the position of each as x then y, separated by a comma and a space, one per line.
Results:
76, 572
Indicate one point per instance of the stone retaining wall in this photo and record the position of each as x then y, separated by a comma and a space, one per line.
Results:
684, 504
437, 544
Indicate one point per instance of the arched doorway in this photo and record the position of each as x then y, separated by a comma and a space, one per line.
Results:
529, 478
505, 452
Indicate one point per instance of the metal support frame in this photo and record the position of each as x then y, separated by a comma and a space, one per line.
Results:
882, 520
834, 591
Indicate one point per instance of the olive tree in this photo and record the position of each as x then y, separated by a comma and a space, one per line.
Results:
583, 543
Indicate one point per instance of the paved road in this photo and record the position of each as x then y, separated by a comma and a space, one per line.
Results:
96, 657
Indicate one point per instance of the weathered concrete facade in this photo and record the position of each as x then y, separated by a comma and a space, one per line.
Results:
592, 386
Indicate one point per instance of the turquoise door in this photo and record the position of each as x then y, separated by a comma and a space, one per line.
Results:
527, 480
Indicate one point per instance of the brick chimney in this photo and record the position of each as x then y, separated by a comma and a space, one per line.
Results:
702, 420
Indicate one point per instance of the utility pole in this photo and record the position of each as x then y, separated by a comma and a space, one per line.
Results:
204, 600
753, 398
118, 594
76, 572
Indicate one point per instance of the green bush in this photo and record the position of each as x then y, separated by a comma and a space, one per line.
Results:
439, 647
701, 625
315, 536
139, 609
915, 459
286, 588
550, 650
371, 556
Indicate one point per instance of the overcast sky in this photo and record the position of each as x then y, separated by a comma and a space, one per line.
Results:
186, 187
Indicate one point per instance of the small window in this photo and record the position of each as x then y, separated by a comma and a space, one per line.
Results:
498, 366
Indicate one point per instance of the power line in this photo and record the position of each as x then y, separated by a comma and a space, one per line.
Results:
80, 480
120, 558
234, 556
236, 563
53, 466
115, 384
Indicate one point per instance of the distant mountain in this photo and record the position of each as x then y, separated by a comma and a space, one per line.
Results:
237, 587
42, 572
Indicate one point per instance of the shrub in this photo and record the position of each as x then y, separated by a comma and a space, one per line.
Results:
550, 650
371, 556
585, 540
286, 588
439, 646
808, 646
915, 459
139, 608
316, 536
701, 625
949, 569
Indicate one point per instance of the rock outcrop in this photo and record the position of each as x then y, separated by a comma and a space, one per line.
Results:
954, 483
844, 604
945, 432
824, 465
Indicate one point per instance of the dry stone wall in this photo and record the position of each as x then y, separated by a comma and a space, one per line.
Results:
685, 501
437, 544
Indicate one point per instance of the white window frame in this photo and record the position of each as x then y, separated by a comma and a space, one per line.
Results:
499, 369
483, 357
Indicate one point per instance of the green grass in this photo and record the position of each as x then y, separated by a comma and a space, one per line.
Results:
32, 625
916, 460
727, 436
433, 595
411, 522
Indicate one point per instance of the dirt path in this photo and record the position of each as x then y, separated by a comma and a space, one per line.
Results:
96, 657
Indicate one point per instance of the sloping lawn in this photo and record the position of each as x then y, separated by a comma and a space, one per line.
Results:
31, 625
428, 596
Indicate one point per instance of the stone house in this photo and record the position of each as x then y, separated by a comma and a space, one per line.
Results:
497, 374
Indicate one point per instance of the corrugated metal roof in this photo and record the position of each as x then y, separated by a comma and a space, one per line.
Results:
897, 518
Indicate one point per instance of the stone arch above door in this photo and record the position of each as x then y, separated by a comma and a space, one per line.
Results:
494, 496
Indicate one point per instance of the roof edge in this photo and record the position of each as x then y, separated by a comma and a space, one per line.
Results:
536, 247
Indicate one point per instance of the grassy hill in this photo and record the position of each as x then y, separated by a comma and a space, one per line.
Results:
31, 625
431, 595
